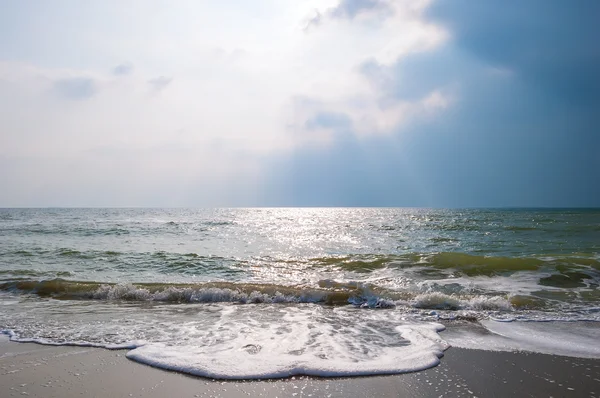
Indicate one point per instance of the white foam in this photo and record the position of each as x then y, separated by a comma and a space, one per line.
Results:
251, 341
122, 346
521, 283
260, 356
575, 339
198, 295
222, 340
361, 297
441, 301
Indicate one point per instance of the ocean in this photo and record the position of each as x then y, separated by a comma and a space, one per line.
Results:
277, 292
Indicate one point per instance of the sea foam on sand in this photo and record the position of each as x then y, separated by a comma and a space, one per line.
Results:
263, 356
574, 339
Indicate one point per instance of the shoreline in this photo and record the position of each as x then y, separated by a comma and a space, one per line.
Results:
35, 370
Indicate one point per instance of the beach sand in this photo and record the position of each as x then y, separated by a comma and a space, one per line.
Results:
34, 370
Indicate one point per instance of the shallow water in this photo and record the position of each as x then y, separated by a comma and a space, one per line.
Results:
300, 291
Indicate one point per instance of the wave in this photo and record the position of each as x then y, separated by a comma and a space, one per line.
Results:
51, 229
443, 301
518, 228
89, 254
467, 264
81, 261
464, 263
328, 293
114, 228
33, 273
244, 293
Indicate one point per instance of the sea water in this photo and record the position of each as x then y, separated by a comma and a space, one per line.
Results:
261, 293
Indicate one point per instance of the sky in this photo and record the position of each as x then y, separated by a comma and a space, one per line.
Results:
198, 103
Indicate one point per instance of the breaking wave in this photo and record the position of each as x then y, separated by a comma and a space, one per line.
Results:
329, 293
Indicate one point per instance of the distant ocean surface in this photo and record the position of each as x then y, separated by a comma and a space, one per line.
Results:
258, 293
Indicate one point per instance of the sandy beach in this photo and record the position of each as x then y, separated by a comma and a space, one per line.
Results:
35, 370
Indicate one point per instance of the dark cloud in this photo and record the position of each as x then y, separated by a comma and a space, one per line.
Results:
522, 131
159, 83
122, 69
411, 78
77, 88
552, 44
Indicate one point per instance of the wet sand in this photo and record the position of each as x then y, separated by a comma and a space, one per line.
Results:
34, 370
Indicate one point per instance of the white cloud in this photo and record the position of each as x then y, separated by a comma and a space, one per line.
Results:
122, 69
226, 78
343, 38
160, 82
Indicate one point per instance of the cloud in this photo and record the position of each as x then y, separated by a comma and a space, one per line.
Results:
327, 120
379, 103
123, 148
238, 110
122, 69
76, 88
367, 10
351, 8
313, 21
371, 101
160, 83
520, 96
548, 44
413, 77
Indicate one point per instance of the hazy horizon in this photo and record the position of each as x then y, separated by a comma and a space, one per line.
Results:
543, 208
